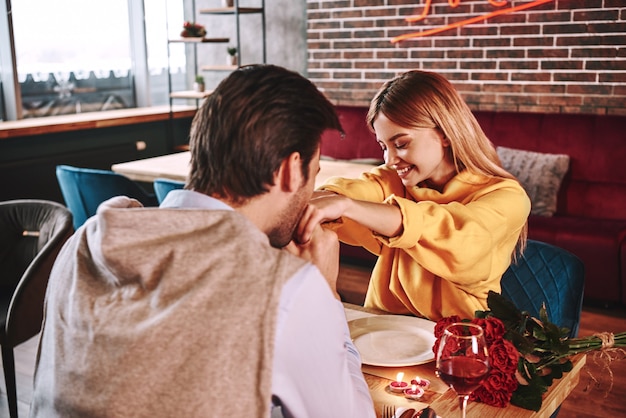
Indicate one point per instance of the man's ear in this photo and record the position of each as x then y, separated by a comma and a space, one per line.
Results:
290, 173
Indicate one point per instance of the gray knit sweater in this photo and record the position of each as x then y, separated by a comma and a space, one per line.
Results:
161, 313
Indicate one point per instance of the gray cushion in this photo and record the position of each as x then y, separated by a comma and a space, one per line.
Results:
539, 173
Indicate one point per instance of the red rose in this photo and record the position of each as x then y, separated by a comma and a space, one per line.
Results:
443, 323
492, 327
496, 390
451, 347
498, 387
503, 356
494, 398
500, 381
440, 326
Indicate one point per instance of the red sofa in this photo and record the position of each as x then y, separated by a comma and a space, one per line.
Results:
590, 220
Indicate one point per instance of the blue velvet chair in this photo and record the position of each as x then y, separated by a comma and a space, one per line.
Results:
163, 186
31, 234
546, 273
84, 189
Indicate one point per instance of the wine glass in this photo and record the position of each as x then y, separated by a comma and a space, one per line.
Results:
462, 359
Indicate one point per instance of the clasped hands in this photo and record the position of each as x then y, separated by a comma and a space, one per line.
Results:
316, 243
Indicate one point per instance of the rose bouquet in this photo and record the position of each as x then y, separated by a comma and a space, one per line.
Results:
526, 353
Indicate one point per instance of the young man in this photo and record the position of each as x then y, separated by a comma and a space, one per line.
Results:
206, 307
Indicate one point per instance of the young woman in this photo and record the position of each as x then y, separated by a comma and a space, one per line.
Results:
442, 214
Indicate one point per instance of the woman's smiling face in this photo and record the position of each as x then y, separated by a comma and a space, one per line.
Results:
417, 154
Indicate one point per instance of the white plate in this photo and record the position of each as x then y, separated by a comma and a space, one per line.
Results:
393, 340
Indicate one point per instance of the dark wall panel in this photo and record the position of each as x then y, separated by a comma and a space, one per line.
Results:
27, 164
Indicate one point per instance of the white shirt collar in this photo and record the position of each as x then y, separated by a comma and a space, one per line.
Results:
192, 200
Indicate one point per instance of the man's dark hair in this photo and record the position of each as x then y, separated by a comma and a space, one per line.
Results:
255, 118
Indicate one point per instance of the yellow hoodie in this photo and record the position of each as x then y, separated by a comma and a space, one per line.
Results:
454, 246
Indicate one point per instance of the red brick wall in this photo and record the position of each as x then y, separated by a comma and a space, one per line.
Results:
564, 56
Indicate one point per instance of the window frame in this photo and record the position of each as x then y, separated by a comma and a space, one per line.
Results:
11, 100
11, 97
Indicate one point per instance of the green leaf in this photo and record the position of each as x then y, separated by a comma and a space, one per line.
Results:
482, 314
555, 373
502, 308
523, 345
537, 340
527, 397
567, 366
543, 313
539, 333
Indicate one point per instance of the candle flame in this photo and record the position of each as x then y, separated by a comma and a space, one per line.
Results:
399, 377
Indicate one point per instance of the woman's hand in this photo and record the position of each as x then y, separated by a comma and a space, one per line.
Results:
322, 249
322, 208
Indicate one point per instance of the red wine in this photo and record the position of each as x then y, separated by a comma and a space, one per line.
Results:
463, 374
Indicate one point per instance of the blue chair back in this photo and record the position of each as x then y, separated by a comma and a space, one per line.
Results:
546, 273
163, 186
84, 189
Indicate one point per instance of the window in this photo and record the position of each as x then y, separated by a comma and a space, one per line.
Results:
161, 18
74, 56
3, 115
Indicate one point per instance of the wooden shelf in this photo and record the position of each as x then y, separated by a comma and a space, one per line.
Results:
214, 65
230, 10
92, 120
218, 68
190, 94
200, 40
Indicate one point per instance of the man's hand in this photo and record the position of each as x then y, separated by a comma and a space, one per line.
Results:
322, 249
322, 208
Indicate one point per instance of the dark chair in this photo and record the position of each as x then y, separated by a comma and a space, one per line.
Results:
546, 273
163, 186
84, 189
31, 234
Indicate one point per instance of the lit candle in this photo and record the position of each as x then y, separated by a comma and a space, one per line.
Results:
415, 392
423, 383
398, 385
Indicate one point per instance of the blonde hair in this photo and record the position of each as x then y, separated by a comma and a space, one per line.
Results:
422, 99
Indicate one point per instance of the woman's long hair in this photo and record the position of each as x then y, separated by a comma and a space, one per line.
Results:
421, 99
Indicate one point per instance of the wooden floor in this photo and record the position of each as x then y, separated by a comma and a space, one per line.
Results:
601, 392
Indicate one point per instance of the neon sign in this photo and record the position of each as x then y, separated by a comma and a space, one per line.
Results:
455, 3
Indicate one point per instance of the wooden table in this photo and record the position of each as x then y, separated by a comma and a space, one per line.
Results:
176, 167
444, 400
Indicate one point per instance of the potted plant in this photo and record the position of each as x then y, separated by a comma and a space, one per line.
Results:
232, 55
198, 85
193, 30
